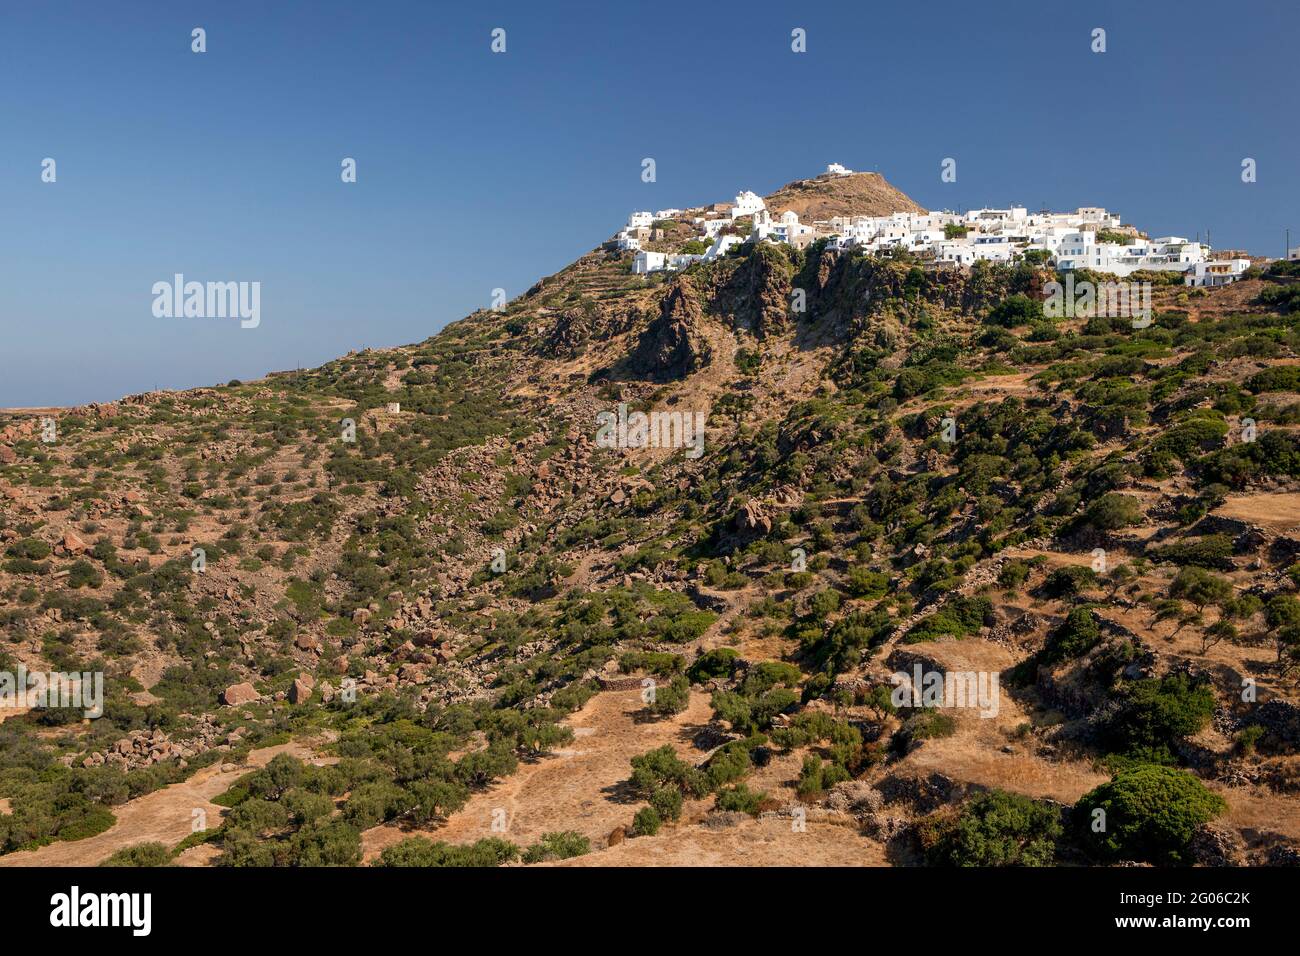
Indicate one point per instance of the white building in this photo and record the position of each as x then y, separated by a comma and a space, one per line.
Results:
1081, 250
647, 261
640, 220
835, 169
746, 204
993, 248
787, 228
955, 250
1216, 272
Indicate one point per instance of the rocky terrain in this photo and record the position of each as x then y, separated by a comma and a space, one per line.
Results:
409, 608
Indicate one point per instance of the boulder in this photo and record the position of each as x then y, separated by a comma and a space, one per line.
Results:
237, 694
299, 691
73, 544
752, 518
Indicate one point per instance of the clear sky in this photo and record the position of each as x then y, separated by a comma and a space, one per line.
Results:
479, 170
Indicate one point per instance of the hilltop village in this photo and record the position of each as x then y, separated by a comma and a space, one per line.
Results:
1088, 238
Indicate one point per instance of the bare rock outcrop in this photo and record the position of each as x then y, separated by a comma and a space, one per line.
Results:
758, 292
673, 345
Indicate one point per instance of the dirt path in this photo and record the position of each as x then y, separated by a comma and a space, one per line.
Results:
165, 816
578, 788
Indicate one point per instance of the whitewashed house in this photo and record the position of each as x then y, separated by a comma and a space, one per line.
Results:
993, 248
1216, 272
746, 204
835, 169
1081, 250
713, 226
960, 251
647, 261
640, 220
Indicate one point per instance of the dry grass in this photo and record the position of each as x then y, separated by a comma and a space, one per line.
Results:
582, 787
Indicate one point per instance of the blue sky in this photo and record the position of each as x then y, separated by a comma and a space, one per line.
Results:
478, 170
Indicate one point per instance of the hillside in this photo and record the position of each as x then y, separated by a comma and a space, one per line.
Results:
469, 632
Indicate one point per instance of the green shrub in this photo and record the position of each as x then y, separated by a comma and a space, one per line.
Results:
1150, 814
864, 583
719, 662
958, 618
559, 845
1211, 551
646, 822
741, 799
662, 767
1077, 635
993, 829
1156, 713
1113, 511
421, 851
667, 802
817, 776
31, 549
1013, 574
1015, 310
141, 854
1069, 580
1279, 378
923, 725
671, 698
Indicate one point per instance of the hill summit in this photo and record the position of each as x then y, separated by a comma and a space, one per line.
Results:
855, 194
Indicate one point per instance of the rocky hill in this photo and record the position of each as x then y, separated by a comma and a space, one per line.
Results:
451, 604
858, 194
